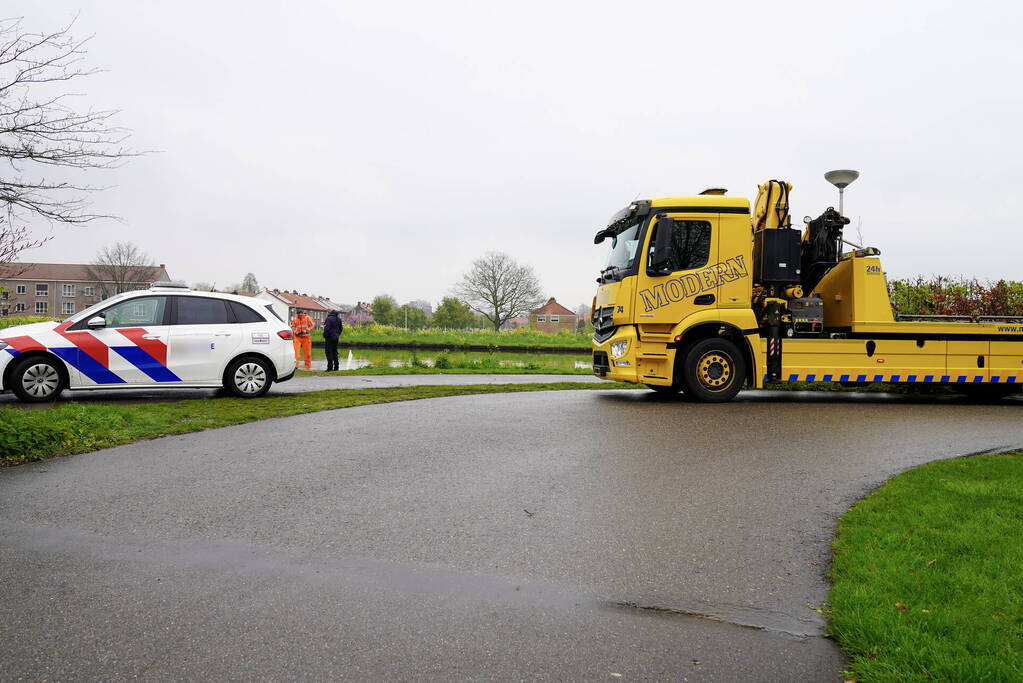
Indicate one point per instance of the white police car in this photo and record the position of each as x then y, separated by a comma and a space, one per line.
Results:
166, 336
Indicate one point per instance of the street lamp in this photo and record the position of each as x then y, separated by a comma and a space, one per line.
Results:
841, 179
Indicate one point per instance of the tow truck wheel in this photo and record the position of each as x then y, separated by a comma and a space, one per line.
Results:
36, 380
713, 371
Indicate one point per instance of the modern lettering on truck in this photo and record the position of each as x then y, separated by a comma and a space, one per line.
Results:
692, 284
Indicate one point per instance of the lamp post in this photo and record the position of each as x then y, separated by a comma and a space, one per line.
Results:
841, 179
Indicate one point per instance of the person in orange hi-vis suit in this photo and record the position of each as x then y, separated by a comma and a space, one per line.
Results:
302, 327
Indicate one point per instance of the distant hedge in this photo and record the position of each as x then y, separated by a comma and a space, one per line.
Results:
23, 320
940, 295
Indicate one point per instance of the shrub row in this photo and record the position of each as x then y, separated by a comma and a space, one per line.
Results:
23, 320
940, 295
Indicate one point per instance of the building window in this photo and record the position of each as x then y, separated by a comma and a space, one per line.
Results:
3, 312
4, 294
89, 291
68, 308
42, 289
42, 307
554, 318
541, 318
19, 289
69, 290
18, 308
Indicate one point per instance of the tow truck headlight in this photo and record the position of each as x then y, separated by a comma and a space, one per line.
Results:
619, 348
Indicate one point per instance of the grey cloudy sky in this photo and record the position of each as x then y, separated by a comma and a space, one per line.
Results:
358, 148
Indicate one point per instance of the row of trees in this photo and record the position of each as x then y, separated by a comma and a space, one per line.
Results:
451, 314
494, 290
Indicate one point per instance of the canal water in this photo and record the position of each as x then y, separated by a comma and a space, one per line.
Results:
354, 358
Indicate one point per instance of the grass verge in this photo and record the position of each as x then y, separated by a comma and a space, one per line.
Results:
385, 335
64, 429
421, 370
927, 573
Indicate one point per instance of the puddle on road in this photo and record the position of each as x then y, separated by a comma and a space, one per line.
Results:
746, 617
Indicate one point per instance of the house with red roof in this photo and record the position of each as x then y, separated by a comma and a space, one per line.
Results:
293, 302
552, 317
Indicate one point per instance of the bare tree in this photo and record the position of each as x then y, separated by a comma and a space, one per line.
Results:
13, 241
121, 268
43, 139
250, 284
499, 288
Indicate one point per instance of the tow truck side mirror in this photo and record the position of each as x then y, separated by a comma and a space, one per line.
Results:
97, 322
660, 256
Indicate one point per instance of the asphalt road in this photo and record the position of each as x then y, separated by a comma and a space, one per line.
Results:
600, 535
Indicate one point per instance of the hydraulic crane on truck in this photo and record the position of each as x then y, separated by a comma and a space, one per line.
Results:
701, 295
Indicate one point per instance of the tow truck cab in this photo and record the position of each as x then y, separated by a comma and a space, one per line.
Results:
644, 311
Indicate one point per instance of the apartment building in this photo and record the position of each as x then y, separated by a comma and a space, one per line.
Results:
58, 290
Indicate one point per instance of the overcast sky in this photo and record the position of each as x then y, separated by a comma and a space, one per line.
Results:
351, 149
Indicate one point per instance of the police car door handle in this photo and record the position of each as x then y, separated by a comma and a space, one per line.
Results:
151, 336
221, 334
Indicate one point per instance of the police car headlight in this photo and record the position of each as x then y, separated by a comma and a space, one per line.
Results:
619, 348
3, 345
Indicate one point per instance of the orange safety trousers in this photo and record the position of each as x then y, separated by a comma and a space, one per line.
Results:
304, 345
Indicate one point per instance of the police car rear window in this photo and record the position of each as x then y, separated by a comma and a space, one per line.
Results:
201, 311
244, 314
270, 307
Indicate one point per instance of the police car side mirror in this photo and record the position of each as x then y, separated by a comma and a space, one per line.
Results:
660, 255
97, 322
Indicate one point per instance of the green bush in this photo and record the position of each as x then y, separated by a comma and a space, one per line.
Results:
942, 295
24, 320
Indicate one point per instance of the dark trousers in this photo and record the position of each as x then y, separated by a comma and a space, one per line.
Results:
330, 347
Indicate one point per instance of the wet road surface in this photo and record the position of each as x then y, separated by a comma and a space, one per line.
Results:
601, 535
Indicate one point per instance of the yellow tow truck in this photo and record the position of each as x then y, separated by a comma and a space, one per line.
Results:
701, 295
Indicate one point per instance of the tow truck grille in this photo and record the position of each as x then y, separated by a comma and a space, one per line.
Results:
603, 324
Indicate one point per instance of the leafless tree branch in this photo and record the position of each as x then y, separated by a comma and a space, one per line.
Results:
498, 288
115, 268
40, 129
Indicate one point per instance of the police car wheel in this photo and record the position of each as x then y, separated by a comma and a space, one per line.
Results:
248, 377
713, 370
37, 380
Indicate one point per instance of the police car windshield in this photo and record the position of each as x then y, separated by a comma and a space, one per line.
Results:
624, 246
92, 310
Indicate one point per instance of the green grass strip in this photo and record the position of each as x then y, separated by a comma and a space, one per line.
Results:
418, 370
928, 575
525, 337
29, 434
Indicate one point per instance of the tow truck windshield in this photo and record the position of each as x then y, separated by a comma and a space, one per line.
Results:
622, 254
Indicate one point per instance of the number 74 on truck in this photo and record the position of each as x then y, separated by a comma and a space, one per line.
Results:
705, 295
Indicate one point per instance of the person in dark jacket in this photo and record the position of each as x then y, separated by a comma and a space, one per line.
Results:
332, 328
